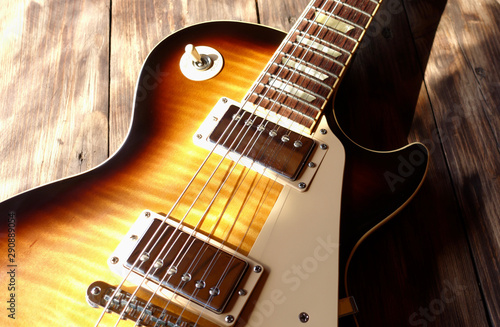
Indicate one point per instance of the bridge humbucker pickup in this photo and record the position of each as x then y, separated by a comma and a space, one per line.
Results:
272, 146
189, 267
195, 272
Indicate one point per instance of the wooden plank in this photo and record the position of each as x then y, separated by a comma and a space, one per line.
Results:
136, 27
281, 14
462, 77
416, 270
54, 91
420, 268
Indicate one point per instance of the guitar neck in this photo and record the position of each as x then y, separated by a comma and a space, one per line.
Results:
306, 69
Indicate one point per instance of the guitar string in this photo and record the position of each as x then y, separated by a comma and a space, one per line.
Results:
144, 251
214, 259
228, 265
325, 3
196, 259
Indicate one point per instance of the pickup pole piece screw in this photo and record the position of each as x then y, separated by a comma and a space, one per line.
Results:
145, 257
304, 317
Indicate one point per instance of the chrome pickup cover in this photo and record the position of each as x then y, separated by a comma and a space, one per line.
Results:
194, 271
288, 157
283, 151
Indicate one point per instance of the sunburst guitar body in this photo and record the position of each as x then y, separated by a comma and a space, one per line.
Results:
281, 245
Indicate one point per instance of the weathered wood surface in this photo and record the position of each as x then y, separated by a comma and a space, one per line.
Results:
429, 71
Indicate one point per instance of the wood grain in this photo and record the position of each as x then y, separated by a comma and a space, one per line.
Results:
462, 80
137, 27
68, 78
54, 96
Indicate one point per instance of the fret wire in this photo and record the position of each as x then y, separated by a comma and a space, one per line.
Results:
368, 6
283, 105
324, 55
308, 64
317, 52
347, 52
354, 8
299, 86
275, 56
288, 94
293, 68
364, 6
332, 30
337, 16
358, 5
303, 79
351, 21
309, 77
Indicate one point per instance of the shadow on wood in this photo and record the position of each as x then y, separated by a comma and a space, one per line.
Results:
408, 272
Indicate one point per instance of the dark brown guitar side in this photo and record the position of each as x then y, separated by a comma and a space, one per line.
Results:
67, 229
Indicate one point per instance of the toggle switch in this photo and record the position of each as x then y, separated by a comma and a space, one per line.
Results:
201, 63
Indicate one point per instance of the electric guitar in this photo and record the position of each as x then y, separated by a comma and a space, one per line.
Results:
236, 200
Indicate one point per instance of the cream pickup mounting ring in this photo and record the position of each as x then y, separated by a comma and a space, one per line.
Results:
201, 63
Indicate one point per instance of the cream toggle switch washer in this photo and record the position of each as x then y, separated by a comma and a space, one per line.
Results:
201, 63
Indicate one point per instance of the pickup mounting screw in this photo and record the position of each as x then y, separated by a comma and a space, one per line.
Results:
323, 131
304, 317
302, 185
323, 146
311, 165
114, 260
242, 292
199, 136
224, 100
257, 269
147, 214
229, 319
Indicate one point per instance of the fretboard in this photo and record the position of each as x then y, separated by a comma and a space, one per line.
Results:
306, 69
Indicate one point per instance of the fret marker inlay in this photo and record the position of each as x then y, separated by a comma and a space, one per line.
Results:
320, 47
292, 90
304, 69
333, 23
